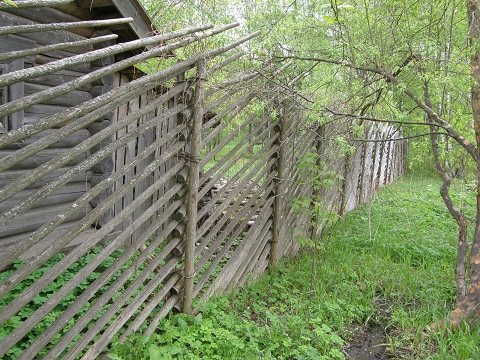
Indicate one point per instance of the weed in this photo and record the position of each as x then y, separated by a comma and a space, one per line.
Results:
389, 264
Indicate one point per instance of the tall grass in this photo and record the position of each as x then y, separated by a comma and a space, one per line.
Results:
389, 263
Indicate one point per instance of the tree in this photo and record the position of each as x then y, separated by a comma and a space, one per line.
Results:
405, 62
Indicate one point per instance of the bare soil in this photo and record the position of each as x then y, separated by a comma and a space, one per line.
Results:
368, 344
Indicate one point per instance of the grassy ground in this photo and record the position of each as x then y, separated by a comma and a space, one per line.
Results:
388, 264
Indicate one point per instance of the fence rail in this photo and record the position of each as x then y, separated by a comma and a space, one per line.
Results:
123, 196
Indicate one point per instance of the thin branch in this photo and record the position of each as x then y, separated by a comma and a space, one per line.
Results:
398, 139
369, 118
389, 77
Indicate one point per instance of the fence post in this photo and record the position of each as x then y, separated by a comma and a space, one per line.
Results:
278, 205
193, 183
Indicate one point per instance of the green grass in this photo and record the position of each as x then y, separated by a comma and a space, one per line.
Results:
390, 263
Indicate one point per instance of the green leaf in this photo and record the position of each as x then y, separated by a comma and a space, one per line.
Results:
329, 18
10, 2
182, 324
154, 352
198, 319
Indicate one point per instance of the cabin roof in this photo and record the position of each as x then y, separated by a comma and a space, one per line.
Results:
108, 9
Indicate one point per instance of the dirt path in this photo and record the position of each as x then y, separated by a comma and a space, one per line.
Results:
367, 344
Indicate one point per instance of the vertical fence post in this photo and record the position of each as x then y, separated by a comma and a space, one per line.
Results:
278, 205
317, 193
193, 183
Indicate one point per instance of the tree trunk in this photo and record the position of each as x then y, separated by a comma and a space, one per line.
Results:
468, 309
463, 246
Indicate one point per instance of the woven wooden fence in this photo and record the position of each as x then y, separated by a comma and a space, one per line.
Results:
125, 197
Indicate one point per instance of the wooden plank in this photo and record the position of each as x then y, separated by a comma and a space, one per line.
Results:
66, 142
68, 193
130, 153
49, 27
60, 78
40, 14
23, 4
11, 42
72, 98
142, 25
118, 114
33, 219
126, 294
127, 312
256, 252
143, 142
99, 210
102, 300
67, 261
41, 59
40, 158
226, 235
11, 176
7, 243
43, 38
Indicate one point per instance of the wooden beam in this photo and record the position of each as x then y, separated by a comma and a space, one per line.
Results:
49, 48
61, 26
142, 25
24, 4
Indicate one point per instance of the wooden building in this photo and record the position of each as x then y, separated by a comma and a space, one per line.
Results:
110, 22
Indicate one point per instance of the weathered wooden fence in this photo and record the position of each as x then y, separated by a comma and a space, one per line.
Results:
125, 197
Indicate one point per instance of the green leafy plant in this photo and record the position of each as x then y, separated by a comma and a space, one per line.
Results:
10, 2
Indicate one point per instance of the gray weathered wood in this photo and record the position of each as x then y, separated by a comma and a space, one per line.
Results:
11, 241
257, 234
4, 30
193, 185
102, 73
9, 257
9, 177
280, 186
68, 260
105, 297
228, 235
147, 81
83, 200
41, 38
68, 193
71, 98
50, 67
40, 14
66, 142
40, 158
23, 4
75, 152
33, 219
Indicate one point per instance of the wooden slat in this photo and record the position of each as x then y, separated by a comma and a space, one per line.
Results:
40, 158
33, 219
17, 29
228, 235
68, 193
103, 299
72, 98
52, 273
67, 142
9, 177
23, 4
120, 114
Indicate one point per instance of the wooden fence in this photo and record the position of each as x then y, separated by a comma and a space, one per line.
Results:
145, 193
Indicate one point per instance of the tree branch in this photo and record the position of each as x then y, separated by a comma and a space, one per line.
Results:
389, 77
374, 119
